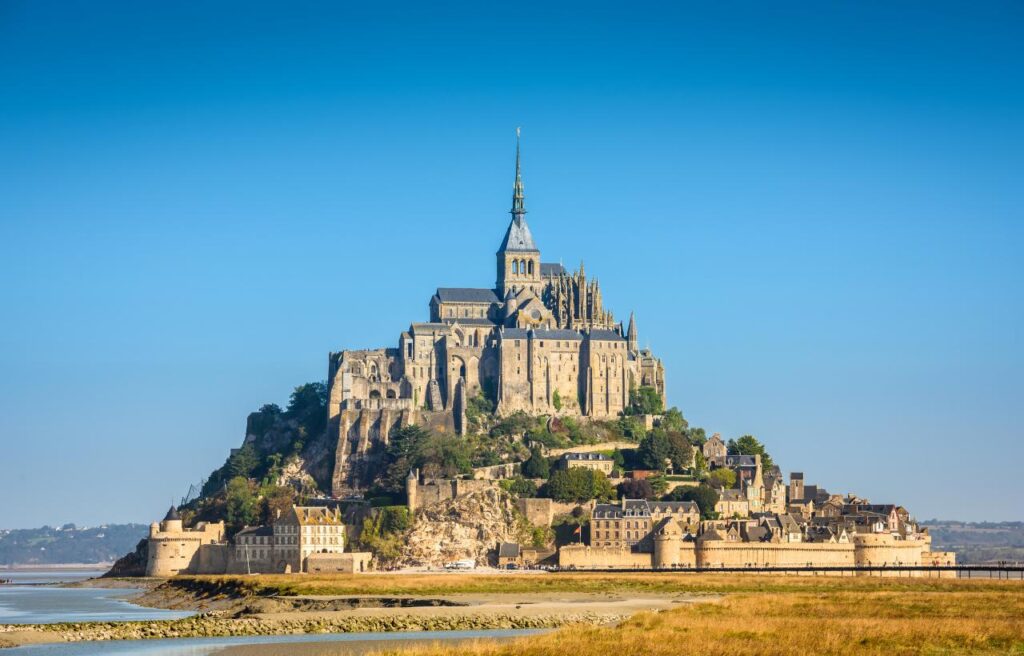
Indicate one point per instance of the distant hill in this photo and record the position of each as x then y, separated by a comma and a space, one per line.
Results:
68, 544
978, 542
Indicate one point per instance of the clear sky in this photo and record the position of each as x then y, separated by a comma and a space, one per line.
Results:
815, 210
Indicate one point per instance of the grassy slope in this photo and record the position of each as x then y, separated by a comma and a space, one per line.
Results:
759, 615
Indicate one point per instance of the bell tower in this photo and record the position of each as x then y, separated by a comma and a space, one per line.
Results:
518, 257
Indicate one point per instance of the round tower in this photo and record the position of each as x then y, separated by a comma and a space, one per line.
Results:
412, 483
668, 541
172, 521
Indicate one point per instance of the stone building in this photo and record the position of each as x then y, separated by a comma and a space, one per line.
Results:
174, 549
539, 341
587, 460
630, 523
290, 540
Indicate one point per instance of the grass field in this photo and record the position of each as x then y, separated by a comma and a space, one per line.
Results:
757, 614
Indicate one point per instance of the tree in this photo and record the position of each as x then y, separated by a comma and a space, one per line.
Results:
748, 445
680, 451
399, 457
537, 465
308, 406
673, 420
635, 489
243, 462
699, 463
520, 487
448, 455
241, 507
277, 500
703, 495
654, 451
697, 436
644, 400
556, 400
579, 484
722, 478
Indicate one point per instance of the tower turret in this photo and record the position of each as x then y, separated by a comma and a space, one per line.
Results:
518, 256
631, 334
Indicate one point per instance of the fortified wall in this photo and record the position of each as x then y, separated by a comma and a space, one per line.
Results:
673, 551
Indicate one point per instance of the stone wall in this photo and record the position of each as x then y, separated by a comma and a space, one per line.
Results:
719, 553
348, 563
586, 557
538, 512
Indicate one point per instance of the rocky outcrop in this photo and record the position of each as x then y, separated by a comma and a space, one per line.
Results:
133, 563
469, 526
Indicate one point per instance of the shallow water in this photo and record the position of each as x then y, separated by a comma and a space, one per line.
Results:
34, 597
339, 643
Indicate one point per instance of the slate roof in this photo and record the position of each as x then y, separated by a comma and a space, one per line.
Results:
469, 321
172, 514
508, 550
518, 237
255, 530
740, 461
602, 335
584, 456
551, 269
520, 333
467, 295
557, 334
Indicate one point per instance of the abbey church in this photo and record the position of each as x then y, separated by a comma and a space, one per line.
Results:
539, 341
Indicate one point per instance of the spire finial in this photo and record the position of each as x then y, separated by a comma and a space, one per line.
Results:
518, 198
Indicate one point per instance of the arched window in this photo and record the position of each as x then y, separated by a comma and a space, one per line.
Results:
530, 267
522, 267
515, 266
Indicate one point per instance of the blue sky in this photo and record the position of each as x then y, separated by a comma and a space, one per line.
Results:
813, 208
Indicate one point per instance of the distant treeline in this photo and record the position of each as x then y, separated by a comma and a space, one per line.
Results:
68, 544
978, 542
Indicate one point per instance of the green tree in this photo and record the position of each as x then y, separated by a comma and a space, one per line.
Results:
703, 495
400, 457
644, 401
631, 428
275, 500
654, 451
578, 484
537, 465
308, 406
722, 478
556, 400
748, 445
697, 436
699, 463
447, 456
520, 487
673, 420
241, 505
243, 462
680, 451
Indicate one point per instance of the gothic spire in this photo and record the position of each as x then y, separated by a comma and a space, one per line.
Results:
518, 198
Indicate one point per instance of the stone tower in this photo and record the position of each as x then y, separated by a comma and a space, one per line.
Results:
518, 257
631, 335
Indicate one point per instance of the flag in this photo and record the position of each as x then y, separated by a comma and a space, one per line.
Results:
578, 531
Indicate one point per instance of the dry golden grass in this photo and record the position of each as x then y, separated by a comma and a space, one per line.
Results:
797, 616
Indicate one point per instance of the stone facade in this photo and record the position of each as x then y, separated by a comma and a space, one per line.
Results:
289, 541
174, 549
540, 341
587, 460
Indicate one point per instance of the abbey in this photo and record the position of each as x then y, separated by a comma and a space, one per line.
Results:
539, 341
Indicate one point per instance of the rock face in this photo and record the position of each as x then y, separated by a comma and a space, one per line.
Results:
469, 526
132, 563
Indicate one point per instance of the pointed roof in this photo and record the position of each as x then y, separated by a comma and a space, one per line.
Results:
172, 514
518, 237
518, 197
631, 332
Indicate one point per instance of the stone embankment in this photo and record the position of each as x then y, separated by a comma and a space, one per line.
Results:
212, 625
